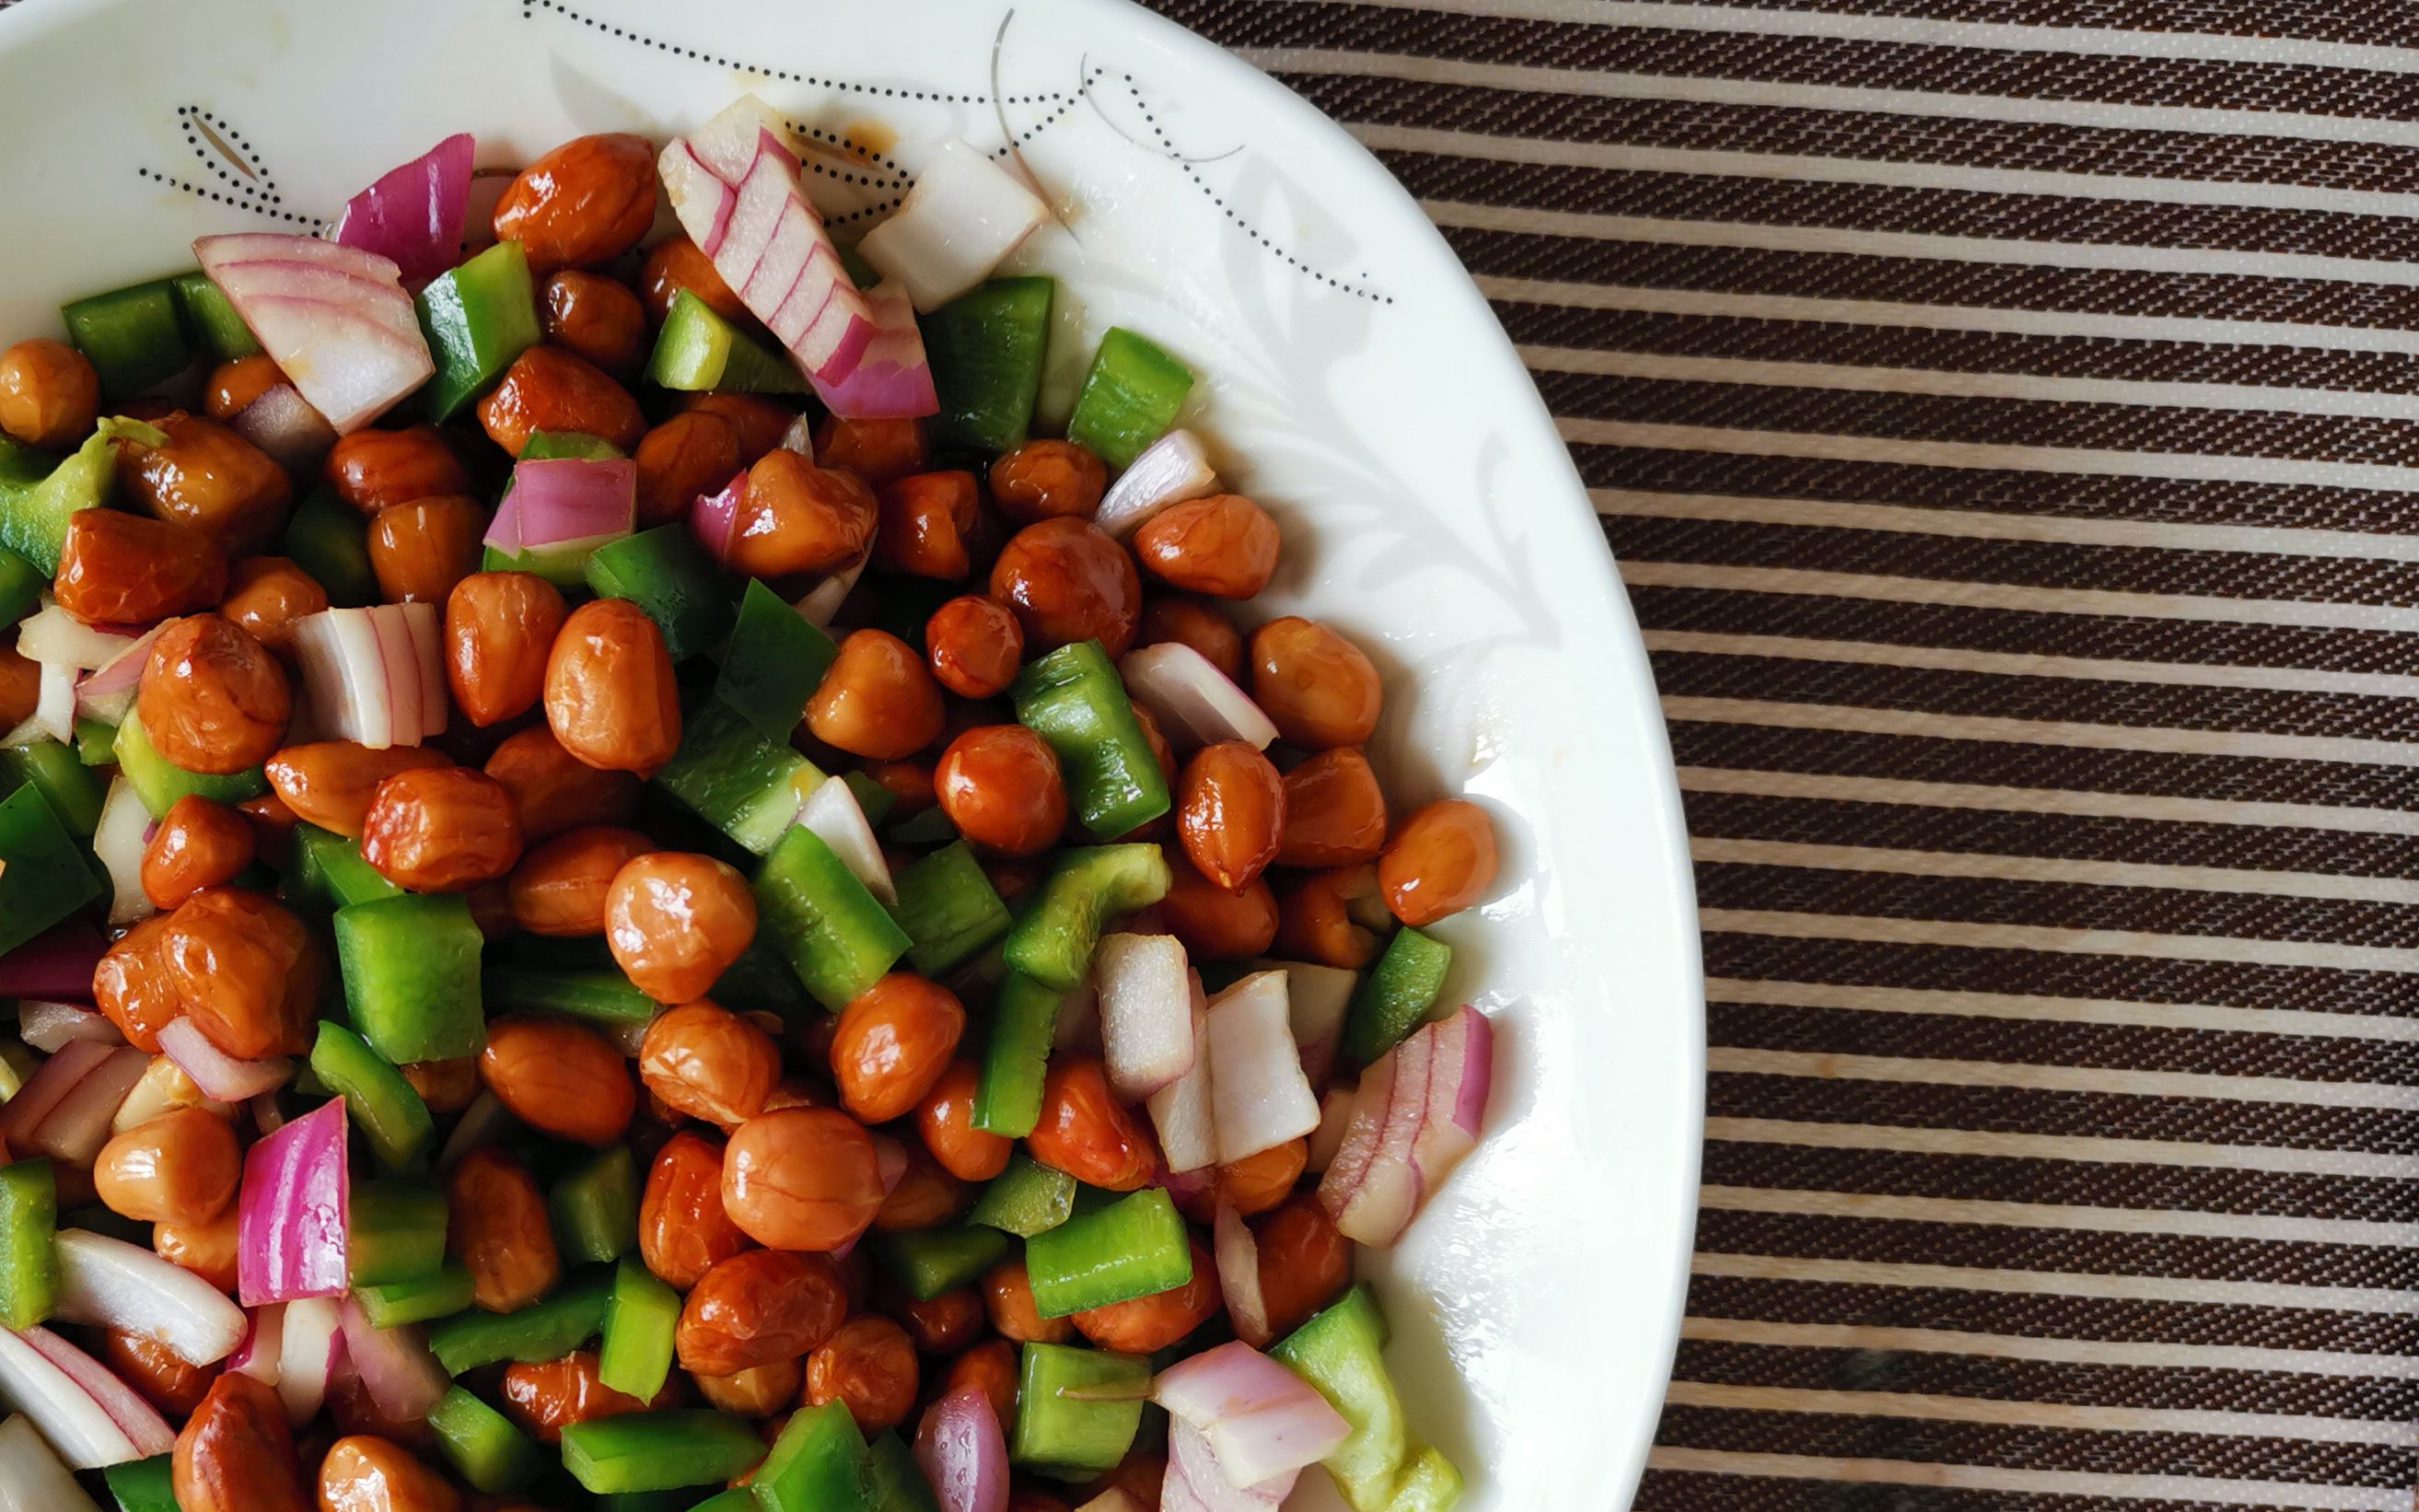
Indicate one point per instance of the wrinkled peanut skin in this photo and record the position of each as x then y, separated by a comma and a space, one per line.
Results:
759, 1306
1223, 546
1046, 479
199, 845
553, 790
795, 517
547, 1396
974, 645
583, 204
363, 1472
559, 1077
208, 477
236, 1453
925, 520
420, 550
1086, 1132
1067, 581
690, 454
1193, 622
212, 699
549, 388
1214, 923
1001, 787
892, 1043
245, 971
759, 1391
1335, 811
676, 263
878, 451
760, 423
1304, 1263
925, 1196
560, 887
376, 470
180, 1167
710, 1063
440, 829
208, 1250
683, 1230
236, 384
610, 698
445, 1085
945, 1120
496, 1226
675, 921
130, 985
499, 627
265, 595
1145, 1325
118, 569
330, 782
801, 1178
1317, 688
870, 1363
596, 316
50, 397
877, 699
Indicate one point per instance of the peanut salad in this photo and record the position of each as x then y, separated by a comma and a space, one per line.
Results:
621, 890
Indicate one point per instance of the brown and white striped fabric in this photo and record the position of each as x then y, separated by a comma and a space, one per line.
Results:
2006, 416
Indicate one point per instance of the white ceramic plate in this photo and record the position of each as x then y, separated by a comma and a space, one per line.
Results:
1357, 384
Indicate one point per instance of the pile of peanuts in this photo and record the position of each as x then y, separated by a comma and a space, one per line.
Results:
752, 1131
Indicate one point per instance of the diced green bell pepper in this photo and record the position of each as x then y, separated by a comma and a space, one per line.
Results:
483, 1446
1026, 1199
761, 978
384, 1107
1134, 1247
1129, 398
209, 315
949, 909
417, 1301
835, 934
410, 966
44, 876
776, 659
1430, 1484
546, 1330
1016, 1056
817, 1464
698, 349
929, 1261
133, 336
394, 1231
143, 1485
600, 996
926, 826
75, 791
550, 445
729, 775
477, 319
1397, 994
21, 586
640, 1320
1073, 699
1340, 1352
34, 517
874, 800
986, 349
328, 538
1079, 1436
665, 572
737, 1499
96, 744
159, 782
329, 873
596, 1210
1054, 940
29, 1256
659, 1451
893, 1481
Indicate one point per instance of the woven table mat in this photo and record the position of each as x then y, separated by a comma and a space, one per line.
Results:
2004, 415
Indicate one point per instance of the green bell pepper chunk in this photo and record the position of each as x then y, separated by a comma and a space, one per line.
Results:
1397, 994
729, 775
737, 1499
477, 318
483, 1446
34, 513
21, 586
599, 996
776, 659
546, 1330
133, 336
834, 933
44, 876
550, 445
143, 1485
1054, 940
96, 744
1378, 1468
596, 1210
29, 1256
75, 791
1024, 1021
659, 1451
986, 350
666, 572
383, 1106
211, 315
159, 782
640, 1320
761, 978
410, 966
394, 1231
948, 907
1073, 699
1076, 1437
329, 873
1133, 1247
817, 1464
698, 349
893, 1481
1129, 398
328, 539
398, 1302
929, 1261
1026, 1199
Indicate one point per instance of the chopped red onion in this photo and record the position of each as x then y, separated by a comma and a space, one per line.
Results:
1195, 1483
1258, 1092
824, 601
63, 1110
892, 379
402, 1377
832, 813
47, 1027
292, 1211
32, 1479
263, 1345
962, 219
89, 1416
335, 320
1194, 703
310, 1342
1317, 998
52, 634
412, 215
1418, 1112
55, 704
112, 1283
164, 1087
1183, 1110
715, 515
1238, 1276
963, 1455
117, 843
1146, 1011
374, 676
1334, 1117
565, 502
1170, 471
106, 693
56, 964
1261, 1423
283, 423
216, 1072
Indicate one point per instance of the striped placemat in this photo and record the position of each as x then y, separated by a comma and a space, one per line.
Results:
2005, 414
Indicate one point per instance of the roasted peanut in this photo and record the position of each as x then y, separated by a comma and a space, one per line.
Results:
1440, 863
801, 1178
759, 1306
1145, 1325
212, 699
117, 568
330, 782
547, 1396
1046, 480
212, 479
419, 551
549, 388
893, 1042
675, 922
199, 845
50, 397
1335, 814
376, 470
945, 1120
440, 829
876, 699
234, 385
692, 453
1316, 687
868, 1362
364, 1472
596, 317
1000, 786
610, 695
761, 424
496, 1226
552, 791
710, 1063
676, 263
180, 1167
236, 1453
583, 204
1067, 581
878, 451
499, 629
795, 517
1189, 621
1230, 812
925, 519
1214, 923
167, 1379
560, 887
245, 970
683, 1230
556, 1077
974, 645
265, 595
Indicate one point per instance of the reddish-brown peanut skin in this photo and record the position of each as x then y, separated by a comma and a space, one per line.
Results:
330, 782
1304, 1263
760, 423
440, 829
421, 549
939, 1325
676, 263
683, 1230
21, 684
547, 1396
945, 1120
975, 646
989, 1368
925, 1196
583, 204
130, 985
1441, 861
560, 887
675, 921
208, 477
759, 1306
597, 318
893, 1042
265, 595
878, 451
1317, 687
445, 1085
199, 845
759, 1391
1007, 1297
610, 695
499, 628
245, 970
1145, 1325
925, 520
556, 1077
549, 388
363, 1472
167, 1380
236, 1453
496, 1226
208, 1250
180, 1167
212, 699
1223, 546
554, 791
801, 1178
868, 1363
1000, 786
376, 470
1316, 920
1230, 812
1335, 811
690, 454
710, 1063
1189, 621
877, 699
1046, 479
795, 517
1067, 581
234, 385
1214, 923
49, 394
118, 569
1087, 1132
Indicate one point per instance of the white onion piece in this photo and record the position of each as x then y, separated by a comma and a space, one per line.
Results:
402, 1378
1195, 1483
1260, 1420
1182, 1111
164, 1087
47, 1027
55, 706
116, 1284
1145, 1012
117, 843
427, 639
1317, 998
1238, 1276
484, 1122
78, 1425
136, 1418
216, 1072
1169, 470
962, 219
283, 423
1079, 1017
77, 1124
52, 634
1372, 1189
263, 1345
824, 601
1194, 703
312, 1341
374, 676
50, 1083
335, 320
1258, 1092
108, 693
31, 1477
1334, 1117
832, 813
